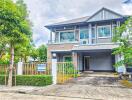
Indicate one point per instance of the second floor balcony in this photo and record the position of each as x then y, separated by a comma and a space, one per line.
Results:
91, 34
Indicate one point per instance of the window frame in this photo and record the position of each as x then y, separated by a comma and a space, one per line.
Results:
101, 27
80, 33
66, 31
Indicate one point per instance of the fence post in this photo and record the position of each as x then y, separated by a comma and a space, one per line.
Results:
19, 68
54, 70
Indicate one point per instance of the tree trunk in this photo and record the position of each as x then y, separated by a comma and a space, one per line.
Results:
11, 65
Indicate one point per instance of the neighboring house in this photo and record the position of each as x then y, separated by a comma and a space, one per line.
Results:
86, 41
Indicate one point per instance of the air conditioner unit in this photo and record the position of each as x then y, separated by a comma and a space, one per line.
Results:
84, 41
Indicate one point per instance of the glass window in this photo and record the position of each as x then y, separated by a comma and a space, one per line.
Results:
104, 31
84, 34
67, 58
67, 36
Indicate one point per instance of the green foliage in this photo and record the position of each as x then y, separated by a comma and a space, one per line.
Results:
23, 52
71, 71
68, 69
123, 35
30, 80
13, 23
42, 53
2, 79
2, 72
34, 53
36, 80
15, 28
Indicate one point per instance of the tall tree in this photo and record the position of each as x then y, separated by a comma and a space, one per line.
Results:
15, 27
123, 35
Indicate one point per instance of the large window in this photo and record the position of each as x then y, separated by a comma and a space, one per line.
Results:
103, 31
84, 34
67, 36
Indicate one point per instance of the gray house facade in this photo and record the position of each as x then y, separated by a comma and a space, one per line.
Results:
86, 41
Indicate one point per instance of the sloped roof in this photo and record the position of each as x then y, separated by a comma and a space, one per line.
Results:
105, 10
80, 20
72, 21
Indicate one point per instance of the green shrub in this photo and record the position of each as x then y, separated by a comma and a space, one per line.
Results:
30, 80
70, 69
36, 80
2, 79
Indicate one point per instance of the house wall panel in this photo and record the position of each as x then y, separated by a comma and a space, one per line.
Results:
58, 47
102, 61
104, 40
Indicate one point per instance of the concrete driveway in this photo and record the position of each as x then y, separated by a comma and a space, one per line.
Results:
95, 86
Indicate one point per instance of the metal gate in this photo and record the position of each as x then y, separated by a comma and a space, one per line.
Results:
65, 72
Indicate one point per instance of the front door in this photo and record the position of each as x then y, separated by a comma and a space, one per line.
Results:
86, 63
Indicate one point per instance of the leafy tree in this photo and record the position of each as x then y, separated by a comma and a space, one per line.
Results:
34, 53
14, 27
123, 35
42, 53
5, 59
23, 53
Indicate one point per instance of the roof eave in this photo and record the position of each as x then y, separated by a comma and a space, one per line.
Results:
64, 25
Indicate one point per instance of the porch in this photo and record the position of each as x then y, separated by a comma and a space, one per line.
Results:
89, 60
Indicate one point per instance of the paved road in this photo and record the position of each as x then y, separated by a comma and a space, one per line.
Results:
17, 96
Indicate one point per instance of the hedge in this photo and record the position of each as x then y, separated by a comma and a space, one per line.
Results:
30, 80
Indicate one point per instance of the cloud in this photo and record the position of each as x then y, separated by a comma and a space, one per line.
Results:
127, 9
43, 12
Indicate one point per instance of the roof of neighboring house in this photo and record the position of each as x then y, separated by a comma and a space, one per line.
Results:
80, 20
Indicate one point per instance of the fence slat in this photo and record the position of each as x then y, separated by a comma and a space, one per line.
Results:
31, 69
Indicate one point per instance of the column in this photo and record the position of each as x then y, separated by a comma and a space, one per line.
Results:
51, 36
54, 68
90, 34
75, 61
118, 23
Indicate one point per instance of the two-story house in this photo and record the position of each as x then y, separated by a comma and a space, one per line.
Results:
86, 41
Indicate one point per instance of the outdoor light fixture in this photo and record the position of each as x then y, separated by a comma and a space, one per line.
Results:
54, 54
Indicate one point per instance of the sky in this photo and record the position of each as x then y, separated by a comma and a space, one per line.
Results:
44, 12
